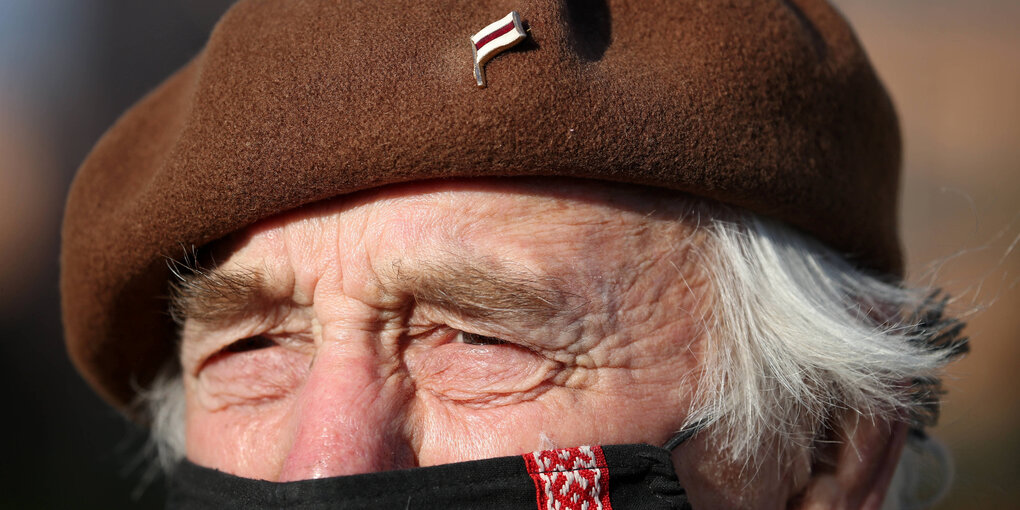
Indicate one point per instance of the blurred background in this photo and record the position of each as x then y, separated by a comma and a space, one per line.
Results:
68, 68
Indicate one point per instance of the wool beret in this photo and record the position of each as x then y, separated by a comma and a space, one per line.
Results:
766, 105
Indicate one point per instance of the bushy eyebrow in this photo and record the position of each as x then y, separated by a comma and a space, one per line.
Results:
213, 296
491, 294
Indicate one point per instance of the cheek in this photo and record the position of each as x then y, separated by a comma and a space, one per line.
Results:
447, 432
237, 411
477, 401
236, 441
608, 407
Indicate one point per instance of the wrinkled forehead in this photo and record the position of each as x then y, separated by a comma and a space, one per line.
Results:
421, 216
544, 238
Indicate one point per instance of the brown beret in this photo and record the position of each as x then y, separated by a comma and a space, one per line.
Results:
767, 105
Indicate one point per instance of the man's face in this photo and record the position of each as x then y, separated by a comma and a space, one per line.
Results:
433, 323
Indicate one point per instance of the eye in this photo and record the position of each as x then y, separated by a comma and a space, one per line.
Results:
248, 344
252, 343
476, 339
464, 368
251, 371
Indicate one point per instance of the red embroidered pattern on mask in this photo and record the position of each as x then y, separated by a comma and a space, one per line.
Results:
570, 478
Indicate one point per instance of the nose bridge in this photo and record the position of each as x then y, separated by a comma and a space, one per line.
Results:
348, 416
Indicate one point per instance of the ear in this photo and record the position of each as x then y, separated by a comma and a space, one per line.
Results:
858, 470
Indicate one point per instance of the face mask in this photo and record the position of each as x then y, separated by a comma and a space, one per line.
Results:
586, 477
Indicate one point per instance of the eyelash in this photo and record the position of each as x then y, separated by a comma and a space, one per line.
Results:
252, 343
476, 339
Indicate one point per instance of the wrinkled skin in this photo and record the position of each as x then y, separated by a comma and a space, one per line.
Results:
371, 341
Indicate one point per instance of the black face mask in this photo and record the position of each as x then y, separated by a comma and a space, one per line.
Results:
590, 477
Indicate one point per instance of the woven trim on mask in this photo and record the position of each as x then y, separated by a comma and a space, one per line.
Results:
570, 478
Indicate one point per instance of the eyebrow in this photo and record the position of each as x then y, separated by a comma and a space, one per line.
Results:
491, 294
216, 296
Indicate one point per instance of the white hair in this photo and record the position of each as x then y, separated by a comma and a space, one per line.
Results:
800, 341
163, 405
796, 340
797, 336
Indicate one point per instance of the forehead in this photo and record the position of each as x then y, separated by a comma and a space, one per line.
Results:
540, 223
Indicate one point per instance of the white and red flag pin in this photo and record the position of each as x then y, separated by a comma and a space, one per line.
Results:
496, 37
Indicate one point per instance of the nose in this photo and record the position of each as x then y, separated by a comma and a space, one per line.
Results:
348, 417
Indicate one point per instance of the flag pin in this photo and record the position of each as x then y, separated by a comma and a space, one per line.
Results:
493, 39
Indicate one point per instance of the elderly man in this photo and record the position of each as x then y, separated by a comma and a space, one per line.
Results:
644, 258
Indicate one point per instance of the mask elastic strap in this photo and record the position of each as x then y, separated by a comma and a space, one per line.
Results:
684, 435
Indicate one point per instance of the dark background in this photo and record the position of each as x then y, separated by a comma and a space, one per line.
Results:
68, 68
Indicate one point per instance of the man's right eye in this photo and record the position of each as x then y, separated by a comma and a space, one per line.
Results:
251, 371
247, 344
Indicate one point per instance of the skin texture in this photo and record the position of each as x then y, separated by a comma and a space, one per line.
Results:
363, 337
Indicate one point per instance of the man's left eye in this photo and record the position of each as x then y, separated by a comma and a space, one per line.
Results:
482, 371
251, 343
476, 339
